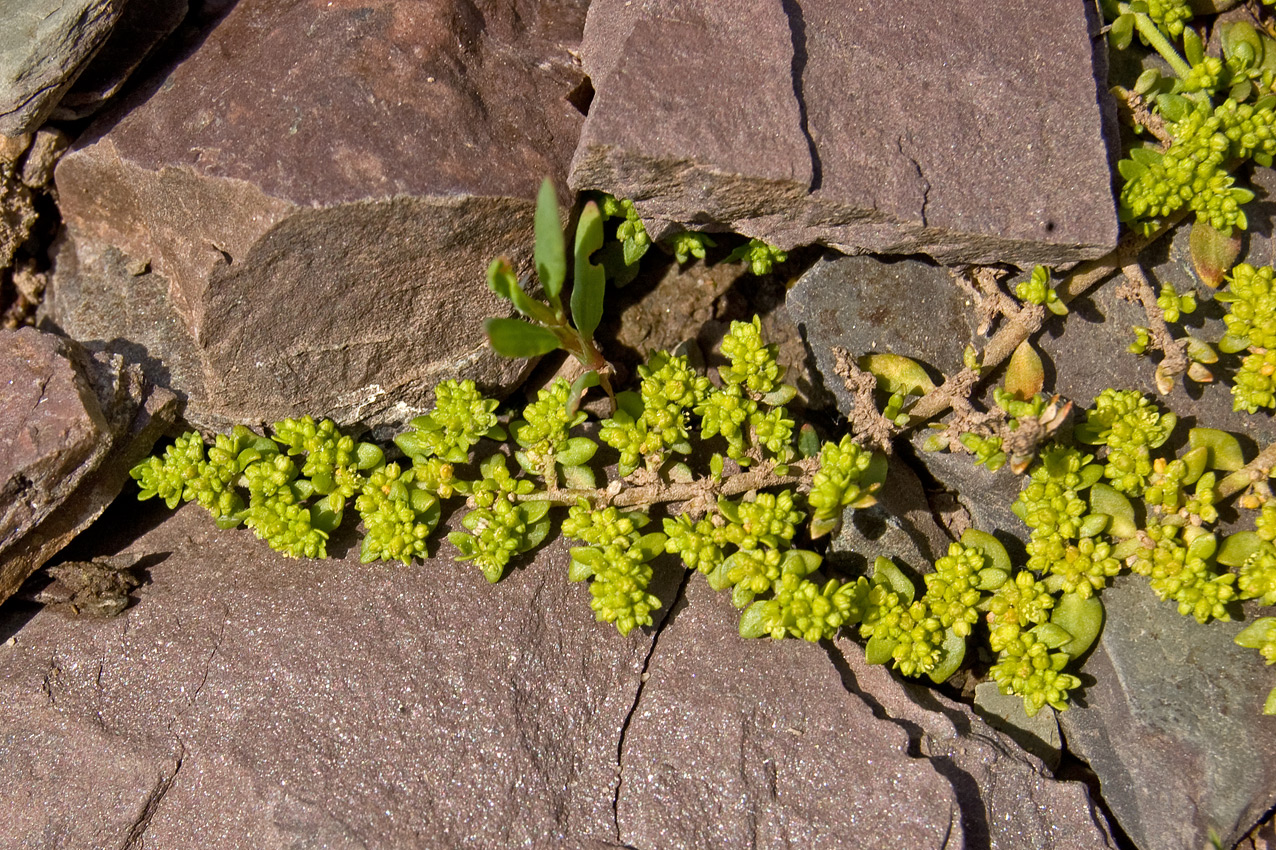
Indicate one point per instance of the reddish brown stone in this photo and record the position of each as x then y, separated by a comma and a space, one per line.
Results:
322, 188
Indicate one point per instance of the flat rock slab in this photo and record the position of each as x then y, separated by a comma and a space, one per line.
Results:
250, 700
969, 134
1172, 724
321, 190
70, 428
44, 45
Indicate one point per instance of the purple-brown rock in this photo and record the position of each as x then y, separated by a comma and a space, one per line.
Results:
70, 428
968, 133
321, 188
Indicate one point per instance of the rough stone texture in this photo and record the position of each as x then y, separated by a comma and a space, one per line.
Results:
44, 45
867, 305
142, 25
887, 129
70, 428
249, 700
801, 753
322, 190
17, 206
1172, 724
1007, 799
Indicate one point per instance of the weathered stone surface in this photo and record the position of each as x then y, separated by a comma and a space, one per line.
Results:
1007, 799
250, 700
44, 45
864, 131
142, 25
871, 306
801, 750
739, 743
323, 189
70, 428
1172, 724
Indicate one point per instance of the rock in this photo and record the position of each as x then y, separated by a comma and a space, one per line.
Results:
1172, 723
871, 306
248, 699
142, 26
775, 744
72, 427
862, 132
43, 48
321, 191
1007, 798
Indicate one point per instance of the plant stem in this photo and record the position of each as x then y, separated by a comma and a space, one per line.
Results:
1153, 36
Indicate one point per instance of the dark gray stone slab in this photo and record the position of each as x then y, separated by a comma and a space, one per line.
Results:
44, 45
884, 128
1172, 723
323, 190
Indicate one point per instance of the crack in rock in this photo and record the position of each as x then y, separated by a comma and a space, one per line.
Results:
133, 839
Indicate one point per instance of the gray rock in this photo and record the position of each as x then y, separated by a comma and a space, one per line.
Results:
871, 306
44, 46
251, 700
1007, 798
307, 186
801, 123
70, 429
1172, 723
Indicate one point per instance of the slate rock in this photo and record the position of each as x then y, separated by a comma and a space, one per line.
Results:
70, 428
781, 744
868, 305
44, 46
1008, 799
800, 123
322, 191
248, 699
1172, 723
141, 27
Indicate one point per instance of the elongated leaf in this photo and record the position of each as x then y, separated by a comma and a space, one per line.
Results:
579, 386
501, 277
550, 254
952, 652
576, 450
1239, 547
590, 281
515, 338
896, 373
1082, 618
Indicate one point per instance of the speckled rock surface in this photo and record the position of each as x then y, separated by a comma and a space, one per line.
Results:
862, 129
307, 183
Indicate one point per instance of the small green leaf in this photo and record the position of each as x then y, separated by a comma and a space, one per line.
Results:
579, 477
800, 562
782, 394
576, 451
584, 382
1105, 499
501, 278
516, 338
1025, 373
1213, 253
1224, 449
808, 442
550, 255
990, 547
885, 572
1238, 548
1122, 31
952, 652
590, 283
1052, 635
880, 649
1082, 618
651, 545
1193, 49
715, 467
896, 373
1093, 524
755, 621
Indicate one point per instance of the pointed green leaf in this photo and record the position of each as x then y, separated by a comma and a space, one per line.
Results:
1238, 548
1213, 253
885, 572
590, 283
952, 652
584, 382
550, 255
579, 477
755, 622
1025, 373
1225, 451
501, 277
1105, 499
879, 649
576, 451
516, 338
896, 373
990, 547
